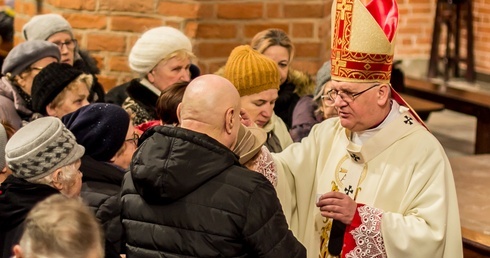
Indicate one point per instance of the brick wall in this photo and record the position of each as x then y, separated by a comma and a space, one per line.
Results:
109, 28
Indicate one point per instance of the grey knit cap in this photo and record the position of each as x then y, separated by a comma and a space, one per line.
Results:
3, 142
322, 76
41, 147
41, 27
26, 53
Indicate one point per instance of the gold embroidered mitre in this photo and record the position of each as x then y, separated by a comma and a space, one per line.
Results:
363, 40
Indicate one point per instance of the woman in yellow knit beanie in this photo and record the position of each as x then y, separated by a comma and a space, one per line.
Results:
257, 79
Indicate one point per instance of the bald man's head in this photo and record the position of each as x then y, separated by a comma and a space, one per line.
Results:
211, 105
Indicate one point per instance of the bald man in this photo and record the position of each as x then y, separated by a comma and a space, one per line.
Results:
188, 196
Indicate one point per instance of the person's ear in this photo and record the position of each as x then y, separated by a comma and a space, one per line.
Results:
51, 111
179, 107
230, 120
151, 77
384, 92
56, 179
17, 251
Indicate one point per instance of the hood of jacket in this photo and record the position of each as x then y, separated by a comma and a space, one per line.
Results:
17, 198
86, 62
7, 90
174, 161
304, 84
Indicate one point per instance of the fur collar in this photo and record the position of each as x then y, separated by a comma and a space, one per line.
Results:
143, 96
304, 84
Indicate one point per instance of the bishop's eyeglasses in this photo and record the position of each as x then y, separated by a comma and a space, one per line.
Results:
329, 98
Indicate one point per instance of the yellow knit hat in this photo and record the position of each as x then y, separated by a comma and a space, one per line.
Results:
251, 72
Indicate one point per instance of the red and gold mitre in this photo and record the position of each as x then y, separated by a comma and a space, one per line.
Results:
363, 40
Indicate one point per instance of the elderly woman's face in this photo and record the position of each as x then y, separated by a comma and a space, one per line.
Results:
73, 99
66, 45
280, 56
170, 71
260, 106
328, 109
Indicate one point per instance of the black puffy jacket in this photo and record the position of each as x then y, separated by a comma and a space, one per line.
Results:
101, 188
17, 198
188, 196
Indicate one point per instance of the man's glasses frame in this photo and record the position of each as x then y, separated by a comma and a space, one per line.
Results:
329, 98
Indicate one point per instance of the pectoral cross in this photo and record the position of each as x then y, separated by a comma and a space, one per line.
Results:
408, 120
355, 157
349, 190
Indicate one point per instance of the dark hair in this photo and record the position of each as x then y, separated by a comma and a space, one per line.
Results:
168, 102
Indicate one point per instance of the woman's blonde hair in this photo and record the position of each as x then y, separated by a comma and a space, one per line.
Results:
61, 227
272, 37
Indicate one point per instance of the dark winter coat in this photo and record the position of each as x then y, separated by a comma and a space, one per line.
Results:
17, 198
304, 118
101, 187
188, 196
296, 86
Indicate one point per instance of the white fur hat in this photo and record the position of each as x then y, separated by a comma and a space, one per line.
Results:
154, 45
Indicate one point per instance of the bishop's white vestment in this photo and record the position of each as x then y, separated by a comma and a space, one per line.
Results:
399, 176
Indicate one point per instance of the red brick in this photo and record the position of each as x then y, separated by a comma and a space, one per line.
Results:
190, 29
302, 30
107, 42
303, 11
214, 50
307, 49
107, 81
410, 2
99, 59
19, 22
409, 30
86, 21
273, 10
324, 30
134, 6
174, 24
134, 24
185, 10
74, 4
250, 30
216, 30
119, 63
244, 11
310, 67
420, 8
28, 8
403, 11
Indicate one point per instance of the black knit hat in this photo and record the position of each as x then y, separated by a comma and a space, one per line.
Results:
49, 82
99, 127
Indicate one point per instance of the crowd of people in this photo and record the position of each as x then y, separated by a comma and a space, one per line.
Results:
255, 160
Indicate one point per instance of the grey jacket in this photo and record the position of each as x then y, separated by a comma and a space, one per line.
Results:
12, 107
